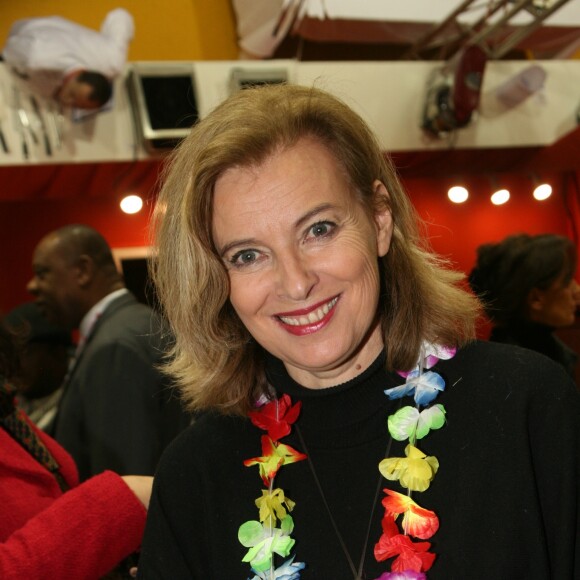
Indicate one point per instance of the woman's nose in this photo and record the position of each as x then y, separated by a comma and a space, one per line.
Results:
296, 278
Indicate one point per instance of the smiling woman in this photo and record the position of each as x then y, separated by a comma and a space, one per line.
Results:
302, 261
281, 130
306, 305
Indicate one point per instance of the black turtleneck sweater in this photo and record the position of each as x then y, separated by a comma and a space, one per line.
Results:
506, 492
540, 338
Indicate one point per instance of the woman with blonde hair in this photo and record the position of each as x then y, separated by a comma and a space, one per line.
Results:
349, 425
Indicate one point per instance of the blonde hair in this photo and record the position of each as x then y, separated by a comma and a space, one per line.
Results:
215, 360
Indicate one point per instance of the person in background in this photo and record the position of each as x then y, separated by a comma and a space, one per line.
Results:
528, 289
44, 360
52, 527
349, 426
117, 411
70, 63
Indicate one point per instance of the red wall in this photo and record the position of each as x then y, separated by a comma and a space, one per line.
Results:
22, 224
454, 230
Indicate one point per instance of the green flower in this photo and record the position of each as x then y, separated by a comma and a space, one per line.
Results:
409, 423
264, 542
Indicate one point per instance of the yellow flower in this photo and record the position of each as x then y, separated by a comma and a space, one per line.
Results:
273, 506
415, 472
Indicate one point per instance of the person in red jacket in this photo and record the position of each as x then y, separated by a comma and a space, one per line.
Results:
52, 527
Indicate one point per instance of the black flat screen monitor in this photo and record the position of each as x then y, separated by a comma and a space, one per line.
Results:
165, 104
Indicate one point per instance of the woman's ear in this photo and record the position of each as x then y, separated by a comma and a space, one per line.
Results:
535, 302
383, 218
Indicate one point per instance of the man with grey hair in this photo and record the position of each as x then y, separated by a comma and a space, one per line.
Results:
117, 411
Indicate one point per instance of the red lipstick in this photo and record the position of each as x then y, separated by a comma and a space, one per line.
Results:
290, 321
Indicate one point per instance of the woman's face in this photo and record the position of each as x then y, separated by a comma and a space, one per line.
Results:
301, 254
556, 306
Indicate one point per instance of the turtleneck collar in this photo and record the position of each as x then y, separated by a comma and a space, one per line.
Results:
359, 402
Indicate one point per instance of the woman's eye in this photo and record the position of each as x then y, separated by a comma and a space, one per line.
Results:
244, 257
321, 229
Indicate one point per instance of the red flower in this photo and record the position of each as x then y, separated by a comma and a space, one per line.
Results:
417, 521
274, 455
409, 555
276, 417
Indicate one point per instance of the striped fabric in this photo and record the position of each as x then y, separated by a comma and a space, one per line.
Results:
14, 422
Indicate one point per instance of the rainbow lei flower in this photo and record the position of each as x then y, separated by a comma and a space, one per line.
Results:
414, 472
262, 537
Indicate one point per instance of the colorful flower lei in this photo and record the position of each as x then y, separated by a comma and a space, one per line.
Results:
414, 472
263, 537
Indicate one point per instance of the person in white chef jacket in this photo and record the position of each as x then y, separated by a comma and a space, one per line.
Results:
68, 62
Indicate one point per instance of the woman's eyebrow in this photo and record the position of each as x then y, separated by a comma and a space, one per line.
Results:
313, 212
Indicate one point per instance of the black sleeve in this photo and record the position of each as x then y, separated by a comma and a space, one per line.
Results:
174, 533
161, 556
554, 432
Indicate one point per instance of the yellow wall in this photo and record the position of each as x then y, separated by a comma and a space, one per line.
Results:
164, 29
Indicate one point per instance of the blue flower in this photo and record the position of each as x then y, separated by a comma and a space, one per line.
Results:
290, 570
425, 387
